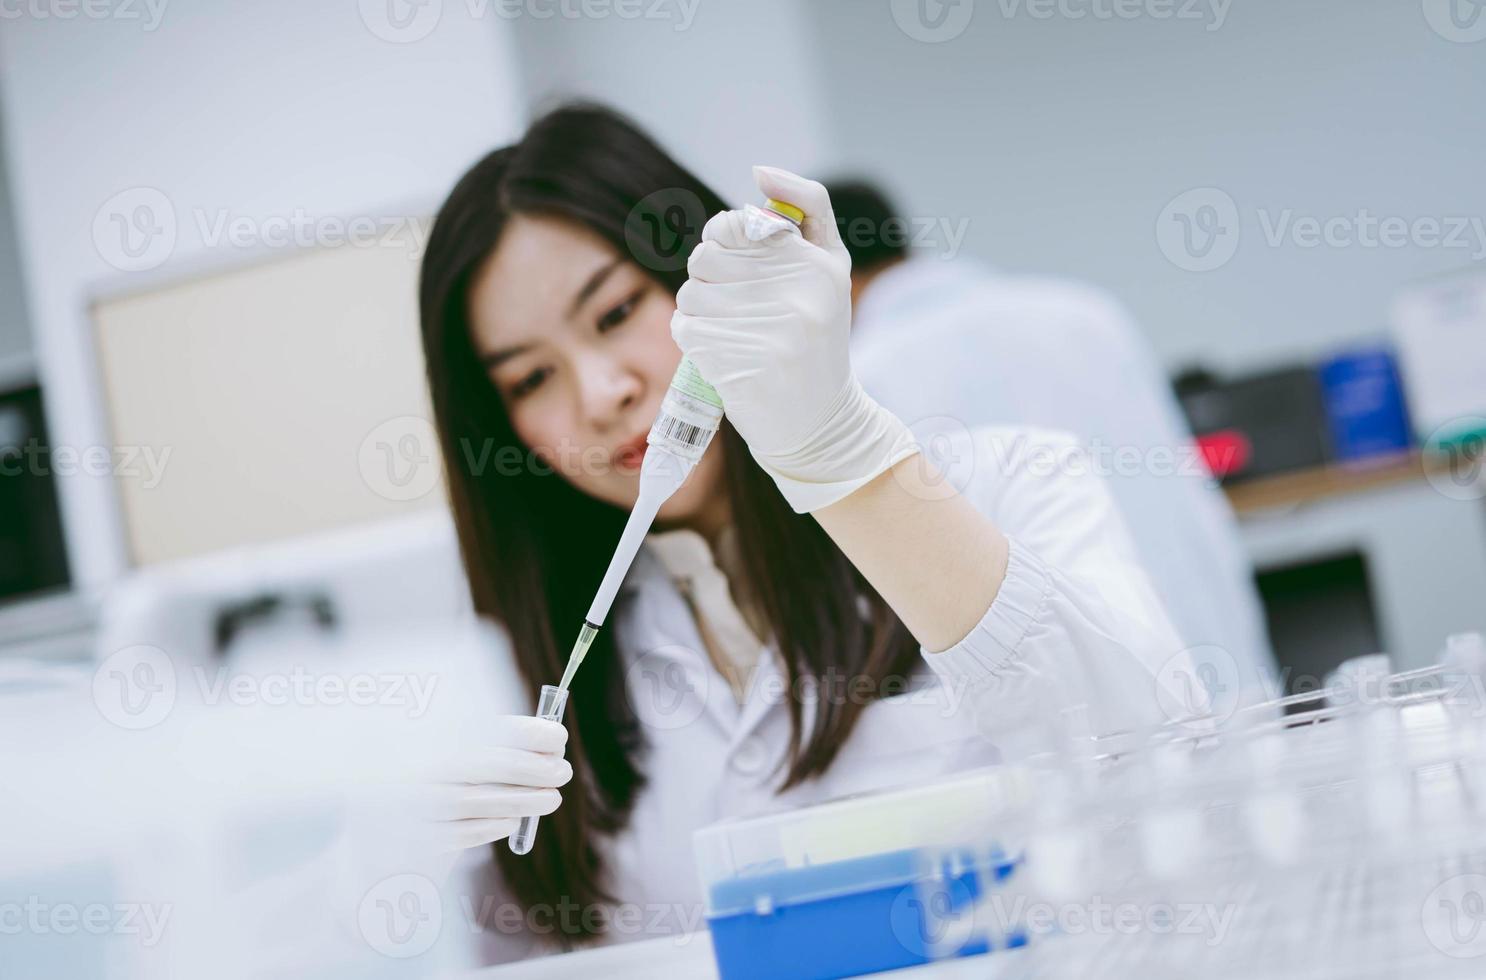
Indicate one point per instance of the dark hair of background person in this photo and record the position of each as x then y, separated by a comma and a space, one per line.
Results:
535, 548
870, 226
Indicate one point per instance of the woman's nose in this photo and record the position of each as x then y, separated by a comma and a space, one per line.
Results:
608, 391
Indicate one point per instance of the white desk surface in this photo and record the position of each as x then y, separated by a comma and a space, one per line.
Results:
690, 957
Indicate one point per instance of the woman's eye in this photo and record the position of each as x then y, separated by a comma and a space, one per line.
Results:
618, 314
529, 384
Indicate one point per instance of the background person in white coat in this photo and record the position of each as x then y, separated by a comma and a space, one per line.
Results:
818, 611
944, 341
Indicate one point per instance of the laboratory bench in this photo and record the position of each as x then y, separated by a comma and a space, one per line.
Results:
689, 957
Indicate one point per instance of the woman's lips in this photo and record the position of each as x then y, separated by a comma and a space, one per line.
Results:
631, 454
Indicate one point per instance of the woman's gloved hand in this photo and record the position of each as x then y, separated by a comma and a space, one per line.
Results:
767, 324
482, 796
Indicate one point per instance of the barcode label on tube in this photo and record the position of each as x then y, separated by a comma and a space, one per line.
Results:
682, 432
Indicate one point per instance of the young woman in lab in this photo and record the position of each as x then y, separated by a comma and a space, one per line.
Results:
818, 610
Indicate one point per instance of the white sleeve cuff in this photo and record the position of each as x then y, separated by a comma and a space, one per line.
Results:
993, 646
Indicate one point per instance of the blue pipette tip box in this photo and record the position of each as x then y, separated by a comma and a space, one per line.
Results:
856, 886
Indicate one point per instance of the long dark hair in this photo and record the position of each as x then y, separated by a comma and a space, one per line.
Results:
534, 547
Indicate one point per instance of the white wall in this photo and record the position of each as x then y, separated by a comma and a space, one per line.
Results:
15, 332
1061, 140
248, 109
721, 85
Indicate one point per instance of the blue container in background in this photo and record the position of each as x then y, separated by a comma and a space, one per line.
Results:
848, 918
1365, 404
874, 881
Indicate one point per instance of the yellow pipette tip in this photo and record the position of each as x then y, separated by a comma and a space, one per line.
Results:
580, 650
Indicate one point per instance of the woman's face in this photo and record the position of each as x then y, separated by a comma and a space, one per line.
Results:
577, 340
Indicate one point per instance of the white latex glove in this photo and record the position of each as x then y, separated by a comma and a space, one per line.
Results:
767, 324
483, 795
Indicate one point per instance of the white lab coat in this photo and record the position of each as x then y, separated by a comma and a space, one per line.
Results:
1075, 610
959, 344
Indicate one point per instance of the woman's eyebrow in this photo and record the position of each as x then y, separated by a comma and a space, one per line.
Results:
594, 282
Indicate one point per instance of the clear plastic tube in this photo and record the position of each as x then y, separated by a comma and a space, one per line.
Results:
550, 705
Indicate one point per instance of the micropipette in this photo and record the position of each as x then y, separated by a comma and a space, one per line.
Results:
690, 415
